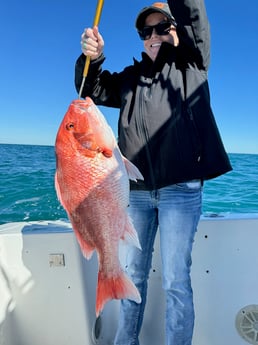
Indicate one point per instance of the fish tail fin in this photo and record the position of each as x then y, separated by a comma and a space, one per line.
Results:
118, 287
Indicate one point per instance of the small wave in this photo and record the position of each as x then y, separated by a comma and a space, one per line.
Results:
22, 201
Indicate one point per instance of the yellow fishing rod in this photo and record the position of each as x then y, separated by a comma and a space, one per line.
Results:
87, 62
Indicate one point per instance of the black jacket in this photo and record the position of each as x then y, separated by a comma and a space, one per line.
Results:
166, 125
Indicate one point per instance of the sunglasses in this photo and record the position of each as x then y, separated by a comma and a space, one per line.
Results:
162, 29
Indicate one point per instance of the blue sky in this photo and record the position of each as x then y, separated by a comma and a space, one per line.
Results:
40, 41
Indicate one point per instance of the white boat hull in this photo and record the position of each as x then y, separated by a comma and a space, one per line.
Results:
47, 289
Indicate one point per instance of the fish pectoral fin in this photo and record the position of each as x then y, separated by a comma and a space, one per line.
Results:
115, 287
58, 192
133, 172
57, 188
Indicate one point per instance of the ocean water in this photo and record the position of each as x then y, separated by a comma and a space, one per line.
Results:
27, 189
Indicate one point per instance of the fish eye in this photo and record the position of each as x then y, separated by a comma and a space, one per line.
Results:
70, 126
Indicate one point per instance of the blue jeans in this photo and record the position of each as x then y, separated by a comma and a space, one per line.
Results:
176, 211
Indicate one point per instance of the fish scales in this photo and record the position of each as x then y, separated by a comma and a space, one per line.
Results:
92, 184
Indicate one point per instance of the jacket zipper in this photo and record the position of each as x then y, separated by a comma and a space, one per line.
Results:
145, 137
198, 143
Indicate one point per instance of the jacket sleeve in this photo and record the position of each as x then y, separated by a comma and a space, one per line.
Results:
193, 29
93, 73
101, 85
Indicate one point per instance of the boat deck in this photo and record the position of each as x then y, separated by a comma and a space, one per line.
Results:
47, 289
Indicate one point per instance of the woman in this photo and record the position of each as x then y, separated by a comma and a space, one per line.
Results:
167, 129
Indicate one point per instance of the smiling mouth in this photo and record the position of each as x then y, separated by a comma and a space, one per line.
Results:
155, 45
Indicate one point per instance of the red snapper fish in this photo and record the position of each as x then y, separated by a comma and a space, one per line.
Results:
92, 184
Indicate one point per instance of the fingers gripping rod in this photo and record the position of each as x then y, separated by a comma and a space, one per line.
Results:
87, 62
